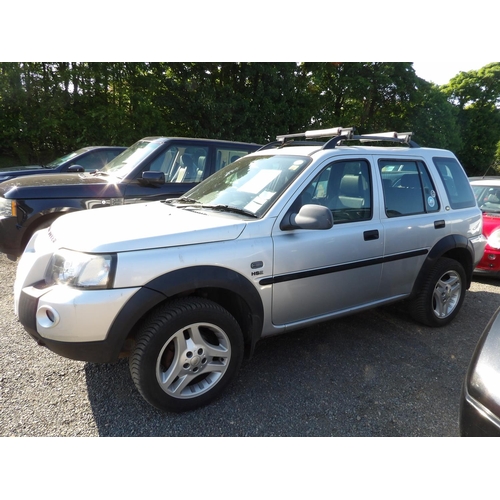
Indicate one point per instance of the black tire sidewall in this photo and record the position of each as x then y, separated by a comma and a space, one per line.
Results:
421, 306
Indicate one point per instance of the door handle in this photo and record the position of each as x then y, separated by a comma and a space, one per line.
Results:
371, 235
439, 224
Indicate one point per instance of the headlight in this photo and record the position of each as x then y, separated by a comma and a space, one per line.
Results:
494, 239
8, 208
81, 270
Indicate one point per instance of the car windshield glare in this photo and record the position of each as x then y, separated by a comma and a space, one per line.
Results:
130, 158
488, 198
59, 161
252, 183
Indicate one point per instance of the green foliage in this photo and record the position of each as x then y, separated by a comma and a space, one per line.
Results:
50, 108
476, 96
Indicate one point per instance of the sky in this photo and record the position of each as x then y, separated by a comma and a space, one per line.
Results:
442, 72
373, 34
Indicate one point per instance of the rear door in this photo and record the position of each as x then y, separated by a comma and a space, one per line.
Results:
412, 218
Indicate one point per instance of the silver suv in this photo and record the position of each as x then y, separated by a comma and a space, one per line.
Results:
299, 232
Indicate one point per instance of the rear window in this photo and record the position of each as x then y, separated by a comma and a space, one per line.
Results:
455, 182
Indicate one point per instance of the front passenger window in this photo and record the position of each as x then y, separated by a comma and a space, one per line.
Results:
345, 188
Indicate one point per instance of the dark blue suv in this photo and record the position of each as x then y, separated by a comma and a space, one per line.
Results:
154, 168
83, 160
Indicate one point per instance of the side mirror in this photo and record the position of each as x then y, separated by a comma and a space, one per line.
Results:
76, 168
309, 217
152, 178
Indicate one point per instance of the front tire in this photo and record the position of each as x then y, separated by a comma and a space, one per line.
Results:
186, 354
442, 294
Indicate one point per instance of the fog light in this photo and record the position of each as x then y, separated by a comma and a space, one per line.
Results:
491, 256
47, 317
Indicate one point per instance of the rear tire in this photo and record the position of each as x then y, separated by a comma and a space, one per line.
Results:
186, 354
442, 294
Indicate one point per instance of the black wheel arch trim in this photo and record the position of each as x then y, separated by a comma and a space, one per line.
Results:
442, 247
203, 277
176, 283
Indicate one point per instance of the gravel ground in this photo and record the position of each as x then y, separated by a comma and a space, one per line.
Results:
373, 374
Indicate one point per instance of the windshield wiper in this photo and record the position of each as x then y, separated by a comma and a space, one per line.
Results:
227, 208
184, 199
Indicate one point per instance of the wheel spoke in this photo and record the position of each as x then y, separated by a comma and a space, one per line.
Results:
176, 386
217, 365
197, 339
446, 294
169, 373
439, 305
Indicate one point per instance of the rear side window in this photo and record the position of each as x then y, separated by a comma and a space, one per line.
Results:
408, 188
455, 182
96, 159
225, 156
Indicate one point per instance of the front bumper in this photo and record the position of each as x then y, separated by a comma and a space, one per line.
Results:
73, 323
11, 235
490, 262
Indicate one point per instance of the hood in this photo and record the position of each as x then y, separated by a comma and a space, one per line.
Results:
7, 173
49, 186
7, 170
140, 227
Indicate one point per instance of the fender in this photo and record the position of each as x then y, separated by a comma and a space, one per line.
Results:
215, 277
448, 244
184, 281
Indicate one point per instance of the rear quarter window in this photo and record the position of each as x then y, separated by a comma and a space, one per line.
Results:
455, 182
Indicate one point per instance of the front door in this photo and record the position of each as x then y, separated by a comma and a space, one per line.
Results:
184, 166
322, 272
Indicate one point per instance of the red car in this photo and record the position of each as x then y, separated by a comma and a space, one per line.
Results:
487, 192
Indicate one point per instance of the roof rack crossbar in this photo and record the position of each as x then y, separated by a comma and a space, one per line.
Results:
340, 134
405, 136
400, 137
310, 134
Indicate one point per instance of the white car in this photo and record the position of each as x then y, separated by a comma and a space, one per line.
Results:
296, 233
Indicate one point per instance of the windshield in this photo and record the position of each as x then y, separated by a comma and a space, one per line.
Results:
488, 198
63, 159
251, 184
130, 158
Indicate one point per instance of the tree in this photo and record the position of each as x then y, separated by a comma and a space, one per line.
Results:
433, 119
50, 108
235, 101
476, 94
372, 97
